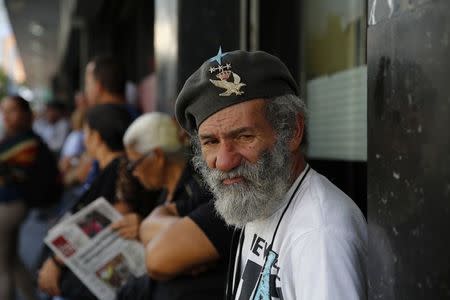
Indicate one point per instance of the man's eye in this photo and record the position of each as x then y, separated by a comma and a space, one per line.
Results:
245, 137
209, 142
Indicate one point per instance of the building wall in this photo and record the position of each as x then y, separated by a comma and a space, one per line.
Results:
196, 33
408, 149
116, 27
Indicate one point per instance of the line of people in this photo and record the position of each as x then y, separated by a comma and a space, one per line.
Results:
242, 214
142, 167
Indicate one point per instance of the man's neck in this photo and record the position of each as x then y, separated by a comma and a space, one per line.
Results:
105, 157
299, 164
108, 98
173, 174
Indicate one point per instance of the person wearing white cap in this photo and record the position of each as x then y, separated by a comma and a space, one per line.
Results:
183, 235
155, 151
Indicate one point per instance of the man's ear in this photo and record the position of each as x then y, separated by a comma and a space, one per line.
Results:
96, 137
297, 137
160, 158
98, 87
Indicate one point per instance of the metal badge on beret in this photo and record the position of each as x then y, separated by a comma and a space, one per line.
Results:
231, 78
224, 75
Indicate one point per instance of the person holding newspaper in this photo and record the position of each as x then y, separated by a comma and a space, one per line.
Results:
104, 128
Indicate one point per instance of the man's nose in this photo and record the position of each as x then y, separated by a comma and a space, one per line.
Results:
227, 157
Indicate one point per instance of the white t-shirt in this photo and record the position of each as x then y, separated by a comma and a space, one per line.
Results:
319, 250
52, 134
73, 145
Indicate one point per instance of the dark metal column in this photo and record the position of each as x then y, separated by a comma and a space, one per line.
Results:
409, 149
186, 34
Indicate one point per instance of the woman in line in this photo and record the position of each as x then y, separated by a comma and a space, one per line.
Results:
19, 151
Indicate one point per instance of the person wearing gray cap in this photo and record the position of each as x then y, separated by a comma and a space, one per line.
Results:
187, 244
301, 237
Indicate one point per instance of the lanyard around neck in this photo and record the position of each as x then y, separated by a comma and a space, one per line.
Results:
233, 278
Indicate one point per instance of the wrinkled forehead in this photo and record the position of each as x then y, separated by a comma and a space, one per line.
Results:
249, 114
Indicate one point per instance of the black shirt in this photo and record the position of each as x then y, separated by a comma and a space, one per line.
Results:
189, 193
104, 185
193, 200
214, 227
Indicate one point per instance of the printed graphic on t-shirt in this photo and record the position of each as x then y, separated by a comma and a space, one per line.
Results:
260, 280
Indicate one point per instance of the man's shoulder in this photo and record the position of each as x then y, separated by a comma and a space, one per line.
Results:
320, 205
190, 192
322, 197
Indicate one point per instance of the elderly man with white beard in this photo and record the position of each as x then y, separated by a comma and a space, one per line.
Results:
301, 237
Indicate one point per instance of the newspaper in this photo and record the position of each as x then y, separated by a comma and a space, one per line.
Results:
96, 254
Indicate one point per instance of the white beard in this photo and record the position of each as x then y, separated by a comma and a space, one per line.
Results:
261, 192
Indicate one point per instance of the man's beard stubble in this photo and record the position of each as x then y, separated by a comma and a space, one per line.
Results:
261, 192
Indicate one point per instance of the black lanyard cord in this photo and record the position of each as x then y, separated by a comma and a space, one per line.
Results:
286, 208
235, 241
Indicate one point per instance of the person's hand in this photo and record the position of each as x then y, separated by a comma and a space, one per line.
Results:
48, 278
160, 218
128, 226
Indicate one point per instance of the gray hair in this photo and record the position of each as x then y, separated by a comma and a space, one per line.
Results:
282, 112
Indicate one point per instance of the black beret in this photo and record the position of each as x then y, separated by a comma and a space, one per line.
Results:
231, 78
